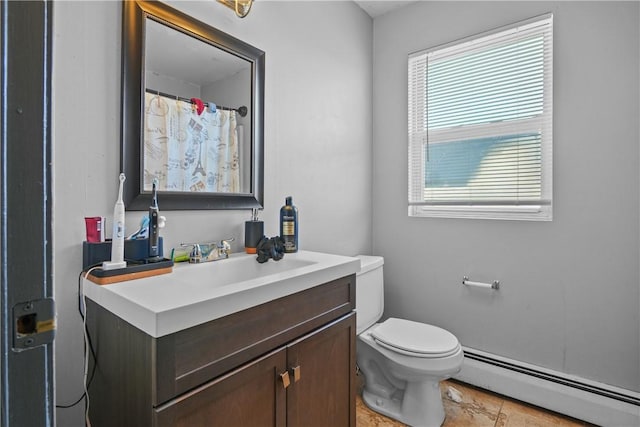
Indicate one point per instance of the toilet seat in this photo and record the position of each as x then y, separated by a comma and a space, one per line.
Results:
415, 339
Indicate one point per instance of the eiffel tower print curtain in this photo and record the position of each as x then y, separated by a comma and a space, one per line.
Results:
189, 148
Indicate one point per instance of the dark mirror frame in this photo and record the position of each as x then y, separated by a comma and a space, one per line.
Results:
132, 109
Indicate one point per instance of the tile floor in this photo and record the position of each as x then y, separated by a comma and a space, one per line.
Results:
478, 408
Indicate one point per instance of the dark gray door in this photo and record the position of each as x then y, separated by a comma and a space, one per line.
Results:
26, 298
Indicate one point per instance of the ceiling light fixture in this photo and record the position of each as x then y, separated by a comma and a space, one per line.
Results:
241, 7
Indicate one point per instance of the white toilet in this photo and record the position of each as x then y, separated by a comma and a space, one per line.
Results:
402, 361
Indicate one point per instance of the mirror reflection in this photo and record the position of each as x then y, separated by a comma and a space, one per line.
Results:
197, 115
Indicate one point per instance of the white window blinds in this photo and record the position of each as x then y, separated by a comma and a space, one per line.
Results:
480, 125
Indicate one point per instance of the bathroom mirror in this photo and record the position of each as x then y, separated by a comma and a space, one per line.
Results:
192, 113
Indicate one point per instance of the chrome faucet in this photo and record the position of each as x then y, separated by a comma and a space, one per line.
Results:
224, 248
205, 252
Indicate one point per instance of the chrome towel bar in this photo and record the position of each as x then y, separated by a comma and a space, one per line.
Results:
495, 285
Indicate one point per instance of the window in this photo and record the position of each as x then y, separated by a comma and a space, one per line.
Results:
480, 125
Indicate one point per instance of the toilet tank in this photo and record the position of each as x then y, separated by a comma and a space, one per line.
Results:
369, 292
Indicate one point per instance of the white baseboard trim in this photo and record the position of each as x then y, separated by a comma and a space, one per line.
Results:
576, 397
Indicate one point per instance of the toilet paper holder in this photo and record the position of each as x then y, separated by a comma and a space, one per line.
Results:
495, 285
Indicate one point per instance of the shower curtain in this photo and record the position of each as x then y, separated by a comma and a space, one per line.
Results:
187, 151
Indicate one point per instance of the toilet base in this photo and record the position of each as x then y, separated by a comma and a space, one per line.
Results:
420, 405
385, 406
404, 387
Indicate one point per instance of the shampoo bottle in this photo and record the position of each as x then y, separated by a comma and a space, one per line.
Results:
289, 226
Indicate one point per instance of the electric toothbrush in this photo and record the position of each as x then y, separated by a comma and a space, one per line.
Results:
117, 240
154, 251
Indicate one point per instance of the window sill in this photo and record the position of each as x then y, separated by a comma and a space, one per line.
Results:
518, 213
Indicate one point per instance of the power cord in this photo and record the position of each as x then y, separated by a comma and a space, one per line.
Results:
88, 348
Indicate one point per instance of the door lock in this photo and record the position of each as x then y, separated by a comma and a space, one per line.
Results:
33, 324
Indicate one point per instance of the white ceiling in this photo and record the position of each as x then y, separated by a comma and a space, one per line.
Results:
379, 7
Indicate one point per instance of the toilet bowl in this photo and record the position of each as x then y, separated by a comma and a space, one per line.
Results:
402, 361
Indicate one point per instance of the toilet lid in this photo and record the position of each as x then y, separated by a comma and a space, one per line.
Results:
415, 339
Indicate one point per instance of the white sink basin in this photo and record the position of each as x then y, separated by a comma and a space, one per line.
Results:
237, 268
197, 293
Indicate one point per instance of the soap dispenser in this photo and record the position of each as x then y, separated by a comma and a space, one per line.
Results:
253, 232
289, 226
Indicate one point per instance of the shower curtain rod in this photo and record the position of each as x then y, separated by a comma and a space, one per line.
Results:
240, 110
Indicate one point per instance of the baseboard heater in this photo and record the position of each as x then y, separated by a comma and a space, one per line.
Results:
553, 378
580, 398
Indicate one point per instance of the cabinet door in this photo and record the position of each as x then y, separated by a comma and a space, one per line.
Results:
324, 364
253, 395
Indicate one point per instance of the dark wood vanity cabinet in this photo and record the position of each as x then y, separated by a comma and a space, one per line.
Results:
306, 383
288, 362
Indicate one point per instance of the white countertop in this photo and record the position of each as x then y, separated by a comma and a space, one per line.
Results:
197, 293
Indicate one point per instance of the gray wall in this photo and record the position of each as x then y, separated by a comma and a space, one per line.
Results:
570, 298
317, 137
570, 288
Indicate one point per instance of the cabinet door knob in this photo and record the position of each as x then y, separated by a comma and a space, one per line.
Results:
295, 371
285, 379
